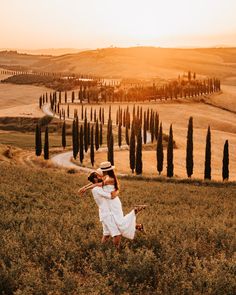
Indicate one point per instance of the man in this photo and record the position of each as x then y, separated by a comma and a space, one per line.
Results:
106, 218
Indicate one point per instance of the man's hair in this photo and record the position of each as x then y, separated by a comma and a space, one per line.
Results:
92, 177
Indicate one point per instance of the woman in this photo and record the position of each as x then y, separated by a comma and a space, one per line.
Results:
126, 224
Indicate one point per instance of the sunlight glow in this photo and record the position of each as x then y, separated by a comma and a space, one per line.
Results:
101, 23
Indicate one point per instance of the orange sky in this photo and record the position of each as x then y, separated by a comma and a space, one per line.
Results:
102, 23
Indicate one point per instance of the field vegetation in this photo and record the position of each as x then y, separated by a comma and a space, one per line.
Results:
50, 237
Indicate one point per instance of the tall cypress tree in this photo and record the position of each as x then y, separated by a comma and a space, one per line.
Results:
82, 112
189, 151
63, 139
92, 147
96, 136
46, 145
132, 149
85, 134
138, 162
127, 134
103, 116
110, 154
100, 114
225, 167
81, 144
156, 125
160, 154
145, 128
91, 114
100, 135
119, 135
170, 164
148, 118
207, 172
38, 140
89, 133
68, 111
74, 140
152, 127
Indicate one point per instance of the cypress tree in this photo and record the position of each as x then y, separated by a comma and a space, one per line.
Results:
100, 135
77, 132
124, 118
207, 172
127, 135
138, 162
74, 139
132, 149
46, 145
85, 134
145, 129
38, 140
92, 147
63, 140
189, 151
141, 116
103, 116
65, 97
97, 136
81, 144
110, 155
148, 115
117, 117
68, 111
133, 112
225, 167
82, 112
156, 125
89, 134
91, 114
119, 135
160, 154
109, 112
170, 164
95, 115
40, 102
100, 114
152, 126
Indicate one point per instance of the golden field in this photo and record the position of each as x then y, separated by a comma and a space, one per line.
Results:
50, 237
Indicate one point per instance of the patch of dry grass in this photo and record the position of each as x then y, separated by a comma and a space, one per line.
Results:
51, 238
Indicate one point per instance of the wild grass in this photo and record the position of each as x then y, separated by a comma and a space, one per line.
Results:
50, 238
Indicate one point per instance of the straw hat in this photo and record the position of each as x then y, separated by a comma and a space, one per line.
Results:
99, 172
106, 166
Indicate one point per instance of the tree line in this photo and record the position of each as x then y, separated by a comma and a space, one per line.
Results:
95, 92
88, 135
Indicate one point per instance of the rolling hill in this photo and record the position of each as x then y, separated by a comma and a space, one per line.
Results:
135, 62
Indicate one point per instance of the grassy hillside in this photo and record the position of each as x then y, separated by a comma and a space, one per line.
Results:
50, 238
139, 62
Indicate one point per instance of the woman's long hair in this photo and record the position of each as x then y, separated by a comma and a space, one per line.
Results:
111, 174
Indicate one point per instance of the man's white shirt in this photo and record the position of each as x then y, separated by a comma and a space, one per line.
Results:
102, 198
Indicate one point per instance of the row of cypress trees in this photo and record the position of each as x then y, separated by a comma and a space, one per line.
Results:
85, 136
95, 92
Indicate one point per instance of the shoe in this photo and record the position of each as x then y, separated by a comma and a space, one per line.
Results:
140, 228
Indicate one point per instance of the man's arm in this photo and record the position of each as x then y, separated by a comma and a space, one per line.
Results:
107, 195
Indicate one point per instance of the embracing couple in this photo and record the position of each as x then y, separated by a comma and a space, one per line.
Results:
105, 190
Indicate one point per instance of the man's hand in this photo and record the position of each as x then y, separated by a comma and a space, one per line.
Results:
114, 194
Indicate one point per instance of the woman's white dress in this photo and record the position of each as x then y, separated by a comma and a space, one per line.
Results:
127, 223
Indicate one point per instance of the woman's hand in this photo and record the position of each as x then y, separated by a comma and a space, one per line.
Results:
114, 194
81, 191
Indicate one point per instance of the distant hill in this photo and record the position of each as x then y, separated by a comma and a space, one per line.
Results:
135, 62
48, 51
